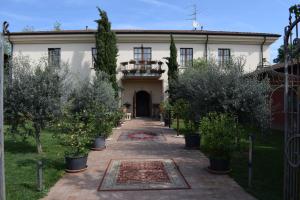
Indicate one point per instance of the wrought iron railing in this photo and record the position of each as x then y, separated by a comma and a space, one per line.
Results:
134, 68
292, 107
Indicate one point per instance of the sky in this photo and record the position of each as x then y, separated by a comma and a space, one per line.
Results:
269, 16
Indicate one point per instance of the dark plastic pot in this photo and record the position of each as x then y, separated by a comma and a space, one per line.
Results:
167, 121
99, 144
219, 164
192, 141
75, 164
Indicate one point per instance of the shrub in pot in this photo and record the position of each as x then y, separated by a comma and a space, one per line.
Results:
166, 109
220, 135
191, 136
75, 136
101, 123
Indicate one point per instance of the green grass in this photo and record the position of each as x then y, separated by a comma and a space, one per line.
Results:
267, 167
20, 165
267, 180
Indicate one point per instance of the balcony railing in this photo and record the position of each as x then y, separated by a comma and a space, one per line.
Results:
142, 69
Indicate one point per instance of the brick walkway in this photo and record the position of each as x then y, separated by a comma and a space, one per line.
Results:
83, 186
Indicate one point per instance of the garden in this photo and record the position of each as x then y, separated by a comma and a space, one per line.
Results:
216, 108
53, 118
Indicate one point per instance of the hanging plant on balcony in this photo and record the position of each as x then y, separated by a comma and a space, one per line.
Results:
125, 71
142, 69
132, 62
152, 62
124, 63
153, 71
133, 71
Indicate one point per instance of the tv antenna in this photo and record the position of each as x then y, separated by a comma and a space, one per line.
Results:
193, 18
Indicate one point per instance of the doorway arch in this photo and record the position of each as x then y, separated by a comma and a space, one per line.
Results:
143, 101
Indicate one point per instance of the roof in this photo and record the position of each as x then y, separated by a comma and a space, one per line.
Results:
130, 31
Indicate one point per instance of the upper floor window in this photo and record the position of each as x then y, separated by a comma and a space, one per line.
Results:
186, 57
142, 53
224, 56
94, 55
54, 57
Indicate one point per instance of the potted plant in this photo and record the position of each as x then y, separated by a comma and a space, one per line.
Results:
117, 118
192, 137
127, 106
132, 62
166, 109
75, 136
220, 135
125, 71
100, 127
143, 69
153, 71
133, 71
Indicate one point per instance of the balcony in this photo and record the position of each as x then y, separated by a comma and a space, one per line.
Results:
142, 69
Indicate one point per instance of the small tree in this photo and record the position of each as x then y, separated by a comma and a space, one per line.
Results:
35, 96
107, 51
57, 26
280, 55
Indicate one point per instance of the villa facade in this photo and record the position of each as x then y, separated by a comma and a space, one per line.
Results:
142, 70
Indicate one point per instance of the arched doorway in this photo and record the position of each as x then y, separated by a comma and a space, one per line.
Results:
143, 100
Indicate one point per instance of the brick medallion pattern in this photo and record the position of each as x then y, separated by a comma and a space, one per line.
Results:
141, 135
142, 174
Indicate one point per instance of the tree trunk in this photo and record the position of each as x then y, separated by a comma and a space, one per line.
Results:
38, 139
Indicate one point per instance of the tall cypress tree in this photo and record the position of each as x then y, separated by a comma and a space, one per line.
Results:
172, 67
107, 51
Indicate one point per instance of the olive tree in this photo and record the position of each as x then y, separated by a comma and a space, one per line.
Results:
210, 87
35, 96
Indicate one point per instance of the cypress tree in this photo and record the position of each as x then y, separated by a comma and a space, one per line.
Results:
172, 67
107, 51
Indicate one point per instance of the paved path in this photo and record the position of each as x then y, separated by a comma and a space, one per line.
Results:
83, 186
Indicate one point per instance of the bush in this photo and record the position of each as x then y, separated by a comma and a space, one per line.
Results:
208, 87
96, 102
101, 122
220, 134
74, 133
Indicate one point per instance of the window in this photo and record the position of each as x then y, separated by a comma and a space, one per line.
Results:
186, 57
224, 56
94, 55
142, 53
54, 57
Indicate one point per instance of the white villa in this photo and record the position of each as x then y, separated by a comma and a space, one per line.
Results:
142, 72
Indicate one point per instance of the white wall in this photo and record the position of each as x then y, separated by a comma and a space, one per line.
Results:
79, 55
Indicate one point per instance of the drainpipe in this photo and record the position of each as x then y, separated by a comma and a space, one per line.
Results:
262, 51
206, 48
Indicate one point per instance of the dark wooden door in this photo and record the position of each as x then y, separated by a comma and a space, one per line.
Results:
142, 104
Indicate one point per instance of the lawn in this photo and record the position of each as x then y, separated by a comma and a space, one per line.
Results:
20, 166
267, 165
